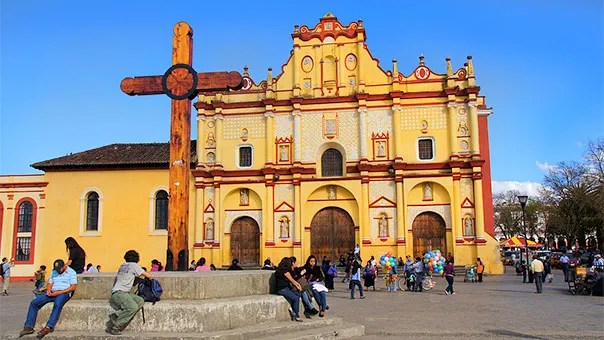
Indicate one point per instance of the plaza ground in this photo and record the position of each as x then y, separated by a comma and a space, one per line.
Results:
499, 308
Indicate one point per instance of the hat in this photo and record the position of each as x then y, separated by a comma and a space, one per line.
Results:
58, 264
598, 255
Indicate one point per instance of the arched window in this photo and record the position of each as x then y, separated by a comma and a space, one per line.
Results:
92, 212
161, 210
26, 211
331, 163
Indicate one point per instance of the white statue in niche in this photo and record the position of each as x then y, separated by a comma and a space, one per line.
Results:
211, 141
244, 134
284, 154
244, 197
284, 227
427, 192
469, 230
381, 152
383, 226
210, 229
211, 157
331, 192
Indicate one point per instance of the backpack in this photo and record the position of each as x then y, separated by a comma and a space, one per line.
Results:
150, 290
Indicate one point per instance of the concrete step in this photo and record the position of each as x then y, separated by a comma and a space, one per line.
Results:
317, 328
184, 285
174, 316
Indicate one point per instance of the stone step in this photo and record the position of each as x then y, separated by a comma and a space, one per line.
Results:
317, 328
184, 285
174, 316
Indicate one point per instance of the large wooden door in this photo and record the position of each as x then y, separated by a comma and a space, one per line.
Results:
245, 241
429, 233
331, 234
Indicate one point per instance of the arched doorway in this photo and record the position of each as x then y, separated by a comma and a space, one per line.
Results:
429, 233
331, 233
245, 241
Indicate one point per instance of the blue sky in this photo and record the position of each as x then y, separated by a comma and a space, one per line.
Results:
540, 64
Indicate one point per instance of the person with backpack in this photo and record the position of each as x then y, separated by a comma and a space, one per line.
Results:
5, 273
125, 304
355, 276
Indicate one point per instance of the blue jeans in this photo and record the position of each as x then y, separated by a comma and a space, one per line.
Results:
39, 302
450, 282
321, 298
354, 283
306, 301
293, 298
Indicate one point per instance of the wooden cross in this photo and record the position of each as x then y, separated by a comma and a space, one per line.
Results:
182, 84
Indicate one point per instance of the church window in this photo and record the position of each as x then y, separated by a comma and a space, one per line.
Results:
25, 229
161, 210
26, 211
331, 163
92, 212
245, 156
425, 148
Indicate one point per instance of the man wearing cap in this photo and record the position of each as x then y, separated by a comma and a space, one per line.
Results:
598, 262
60, 288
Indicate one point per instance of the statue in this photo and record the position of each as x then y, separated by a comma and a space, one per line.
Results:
244, 134
284, 156
211, 142
210, 230
427, 192
211, 157
244, 197
331, 192
383, 226
468, 226
380, 149
284, 227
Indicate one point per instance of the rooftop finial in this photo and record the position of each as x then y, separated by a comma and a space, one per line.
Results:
421, 60
269, 78
296, 28
394, 68
360, 23
470, 66
449, 67
245, 74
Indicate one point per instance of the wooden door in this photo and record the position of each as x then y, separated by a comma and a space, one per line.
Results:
331, 234
429, 233
245, 241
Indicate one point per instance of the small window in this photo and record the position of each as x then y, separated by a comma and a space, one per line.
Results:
92, 212
23, 249
331, 163
245, 156
26, 211
425, 149
161, 210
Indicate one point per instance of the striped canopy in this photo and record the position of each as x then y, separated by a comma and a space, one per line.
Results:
519, 242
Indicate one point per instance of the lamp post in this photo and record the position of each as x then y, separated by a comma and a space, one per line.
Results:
522, 199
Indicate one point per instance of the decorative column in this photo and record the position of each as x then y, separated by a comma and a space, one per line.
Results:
219, 139
201, 127
456, 210
452, 122
473, 112
365, 226
269, 221
398, 133
478, 207
297, 136
298, 227
363, 131
219, 237
270, 137
400, 206
199, 226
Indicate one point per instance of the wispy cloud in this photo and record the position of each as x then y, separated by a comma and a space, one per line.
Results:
545, 167
527, 188
579, 144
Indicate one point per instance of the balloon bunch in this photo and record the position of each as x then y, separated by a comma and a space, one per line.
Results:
434, 261
388, 261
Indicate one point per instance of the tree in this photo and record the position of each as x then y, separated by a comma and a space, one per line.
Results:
508, 215
595, 167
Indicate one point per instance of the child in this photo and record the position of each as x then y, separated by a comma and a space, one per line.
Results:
332, 272
390, 279
40, 277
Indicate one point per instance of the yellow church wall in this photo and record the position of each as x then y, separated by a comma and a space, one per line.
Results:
124, 216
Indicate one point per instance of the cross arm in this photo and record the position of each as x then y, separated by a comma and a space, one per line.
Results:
207, 81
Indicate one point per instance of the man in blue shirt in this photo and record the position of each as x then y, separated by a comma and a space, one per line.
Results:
60, 288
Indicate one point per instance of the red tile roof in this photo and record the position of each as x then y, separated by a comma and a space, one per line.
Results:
114, 156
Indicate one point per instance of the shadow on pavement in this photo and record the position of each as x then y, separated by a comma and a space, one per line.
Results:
511, 333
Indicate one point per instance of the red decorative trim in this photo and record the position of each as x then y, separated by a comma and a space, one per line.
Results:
269, 244
24, 185
383, 239
427, 204
11, 197
288, 208
34, 218
243, 209
284, 240
199, 245
297, 243
401, 242
487, 192
366, 242
319, 31
467, 203
356, 227
458, 241
355, 63
209, 208
374, 203
307, 228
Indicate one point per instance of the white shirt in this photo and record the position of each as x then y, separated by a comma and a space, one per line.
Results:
357, 250
564, 259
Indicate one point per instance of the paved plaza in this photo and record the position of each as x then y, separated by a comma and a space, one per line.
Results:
499, 308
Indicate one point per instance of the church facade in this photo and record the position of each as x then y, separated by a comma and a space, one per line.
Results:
331, 152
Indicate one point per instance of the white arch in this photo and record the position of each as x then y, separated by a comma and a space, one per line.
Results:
330, 145
152, 195
231, 216
83, 201
444, 211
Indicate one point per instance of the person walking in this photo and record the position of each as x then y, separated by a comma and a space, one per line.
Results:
125, 304
537, 268
479, 269
355, 277
58, 291
77, 255
6, 266
332, 272
449, 275
524, 269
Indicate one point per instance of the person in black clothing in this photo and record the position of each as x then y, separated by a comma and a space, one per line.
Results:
314, 274
306, 293
284, 280
235, 265
342, 261
77, 255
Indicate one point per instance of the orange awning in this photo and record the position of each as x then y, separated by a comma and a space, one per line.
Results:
519, 242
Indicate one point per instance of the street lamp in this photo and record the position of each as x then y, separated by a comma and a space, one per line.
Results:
522, 199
